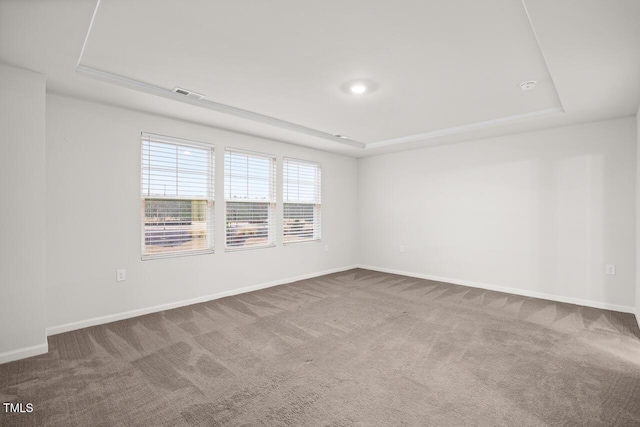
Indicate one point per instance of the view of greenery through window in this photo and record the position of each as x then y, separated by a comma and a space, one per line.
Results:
301, 196
250, 199
247, 223
298, 222
178, 205
177, 190
175, 225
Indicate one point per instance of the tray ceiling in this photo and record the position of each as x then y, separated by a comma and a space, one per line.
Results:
439, 67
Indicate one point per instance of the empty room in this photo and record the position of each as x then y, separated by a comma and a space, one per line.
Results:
331, 213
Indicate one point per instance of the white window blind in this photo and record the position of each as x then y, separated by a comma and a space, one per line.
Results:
177, 197
250, 199
302, 189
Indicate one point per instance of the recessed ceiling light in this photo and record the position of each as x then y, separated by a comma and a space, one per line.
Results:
359, 87
528, 85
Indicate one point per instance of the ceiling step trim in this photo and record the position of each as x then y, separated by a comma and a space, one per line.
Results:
211, 105
464, 128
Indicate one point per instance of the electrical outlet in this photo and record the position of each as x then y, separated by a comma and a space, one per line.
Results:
326, 248
401, 249
610, 269
121, 275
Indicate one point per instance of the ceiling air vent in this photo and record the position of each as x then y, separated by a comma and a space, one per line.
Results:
188, 93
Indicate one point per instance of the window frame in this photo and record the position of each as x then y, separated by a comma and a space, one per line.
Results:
317, 203
271, 201
210, 206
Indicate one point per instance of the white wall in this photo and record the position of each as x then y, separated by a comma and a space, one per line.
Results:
93, 218
638, 217
538, 213
22, 216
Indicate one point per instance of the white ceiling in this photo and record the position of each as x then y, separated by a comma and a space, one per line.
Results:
446, 71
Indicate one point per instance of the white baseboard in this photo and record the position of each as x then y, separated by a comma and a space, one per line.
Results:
515, 291
53, 330
23, 353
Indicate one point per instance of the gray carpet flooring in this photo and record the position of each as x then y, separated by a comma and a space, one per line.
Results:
357, 348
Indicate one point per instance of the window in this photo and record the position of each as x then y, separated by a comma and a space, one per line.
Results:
301, 194
177, 197
250, 199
